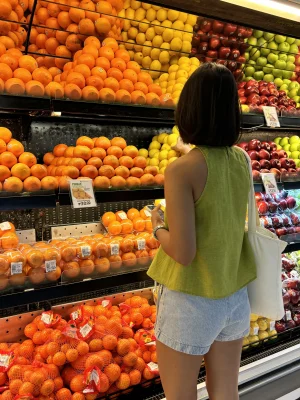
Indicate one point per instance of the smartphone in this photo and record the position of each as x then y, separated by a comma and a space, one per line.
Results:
151, 207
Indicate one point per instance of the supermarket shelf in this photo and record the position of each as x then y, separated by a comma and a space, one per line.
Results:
43, 199
259, 187
24, 103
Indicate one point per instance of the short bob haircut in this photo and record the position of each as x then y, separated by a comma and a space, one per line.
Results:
208, 111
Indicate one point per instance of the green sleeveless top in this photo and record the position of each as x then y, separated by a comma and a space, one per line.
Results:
224, 261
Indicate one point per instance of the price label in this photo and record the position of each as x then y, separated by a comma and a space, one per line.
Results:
255, 331
272, 325
86, 251
288, 315
46, 318
105, 303
153, 367
141, 243
114, 249
5, 226
122, 215
4, 360
50, 265
82, 193
269, 183
271, 117
85, 330
16, 268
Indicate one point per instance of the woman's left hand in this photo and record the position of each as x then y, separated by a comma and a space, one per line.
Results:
156, 218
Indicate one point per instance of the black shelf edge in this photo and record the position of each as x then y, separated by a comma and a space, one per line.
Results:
24, 103
27, 201
292, 247
71, 291
257, 121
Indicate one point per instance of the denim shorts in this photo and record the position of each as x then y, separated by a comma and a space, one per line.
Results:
190, 324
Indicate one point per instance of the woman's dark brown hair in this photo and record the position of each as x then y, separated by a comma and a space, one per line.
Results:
208, 111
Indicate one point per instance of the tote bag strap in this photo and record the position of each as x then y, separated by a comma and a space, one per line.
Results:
253, 218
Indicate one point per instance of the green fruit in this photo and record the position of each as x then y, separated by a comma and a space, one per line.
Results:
283, 57
252, 41
278, 82
297, 42
286, 147
258, 68
273, 46
297, 162
296, 99
284, 47
264, 52
286, 81
290, 40
280, 38
284, 141
284, 87
246, 55
294, 140
280, 64
277, 73
248, 78
268, 78
293, 93
277, 140
262, 42
249, 71
257, 34
289, 153
268, 36
294, 85
279, 147
287, 74
290, 66
292, 59
254, 53
251, 62
262, 61
258, 75
294, 49
268, 69
272, 58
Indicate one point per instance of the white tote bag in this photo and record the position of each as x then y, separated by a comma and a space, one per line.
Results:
265, 293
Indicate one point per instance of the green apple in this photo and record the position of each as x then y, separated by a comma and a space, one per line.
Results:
262, 61
293, 93
286, 81
292, 59
294, 147
286, 147
252, 41
254, 53
262, 42
246, 55
252, 62
247, 78
294, 85
277, 73
284, 47
279, 147
268, 78
297, 162
290, 40
258, 68
258, 75
290, 66
287, 74
280, 38
278, 82
272, 58
296, 99
282, 56
294, 139
257, 34
284, 141
289, 153
268, 36
268, 69
280, 64
277, 140
264, 52
273, 46
295, 154
297, 42
249, 71
294, 49
284, 87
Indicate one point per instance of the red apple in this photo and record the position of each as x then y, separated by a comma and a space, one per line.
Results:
282, 154
206, 25
253, 99
256, 176
230, 29
259, 196
212, 53
253, 154
255, 165
285, 163
291, 203
275, 163
214, 43
264, 154
263, 207
283, 204
203, 47
273, 146
243, 145
254, 144
234, 54
276, 172
265, 164
224, 52
217, 26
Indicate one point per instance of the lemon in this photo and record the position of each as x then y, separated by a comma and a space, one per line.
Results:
180, 74
154, 145
175, 101
174, 60
151, 14
154, 162
172, 160
172, 138
186, 46
154, 138
161, 15
166, 140
150, 33
163, 78
164, 57
131, 54
191, 19
138, 57
167, 35
148, 161
178, 86
184, 67
147, 48
167, 24
181, 80
157, 41
169, 89
165, 146
162, 170
124, 36
178, 25
152, 152
156, 8
158, 29
165, 67
172, 154
126, 26
177, 35
129, 45
176, 93
165, 46
187, 36
183, 17
155, 54
146, 62
183, 60
140, 38
171, 82
163, 164
188, 28
176, 44
173, 15
173, 68
143, 153
129, 13
163, 155
175, 130
161, 137
138, 48
164, 90
143, 25
147, 6
126, 5
195, 61
140, 14
122, 46
122, 13
172, 75
193, 69
155, 65
135, 4
132, 33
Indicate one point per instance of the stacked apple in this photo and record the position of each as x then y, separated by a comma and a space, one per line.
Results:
225, 42
266, 158
259, 94
297, 69
277, 213
291, 145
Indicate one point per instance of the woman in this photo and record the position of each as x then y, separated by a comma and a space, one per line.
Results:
205, 260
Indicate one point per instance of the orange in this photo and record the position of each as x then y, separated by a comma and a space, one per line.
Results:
59, 150
64, 19
114, 151
83, 69
121, 53
8, 159
136, 172
101, 182
2, 49
123, 382
77, 79
133, 213
89, 93
140, 162
51, 45
139, 224
113, 372
159, 179
79, 163
40, 41
102, 26
103, 142
126, 161
131, 151
5, 9
122, 171
145, 78
127, 85
5, 72
133, 182
21, 171
9, 60
86, 59
91, 50
131, 75
16, 53
77, 384
118, 63
82, 152
98, 151
151, 170
127, 226
152, 99
89, 171
92, 40
11, 241
107, 218
86, 27
104, 7
99, 71
135, 66
54, 71
54, 90
72, 91
147, 180
111, 160
49, 183
118, 182
15, 86
32, 184
109, 342
76, 14
73, 43
111, 83
28, 63
35, 88
102, 265
138, 97
63, 394
8, 42
4, 173
2, 146
114, 227
107, 95
103, 62
106, 52
85, 141
95, 161
23, 74
28, 158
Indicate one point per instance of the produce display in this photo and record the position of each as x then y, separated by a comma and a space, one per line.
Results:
128, 243
97, 349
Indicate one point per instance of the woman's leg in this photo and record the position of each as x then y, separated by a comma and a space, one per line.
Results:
222, 364
179, 373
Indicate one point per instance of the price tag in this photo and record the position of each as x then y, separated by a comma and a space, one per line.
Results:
141, 243
16, 268
86, 251
255, 331
46, 318
269, 183
272, 325
5, 226
153, 367
82, 193
105, 303
50, 265
271, 117
288, 315
85, 330
122, 215
114, 249
4, 360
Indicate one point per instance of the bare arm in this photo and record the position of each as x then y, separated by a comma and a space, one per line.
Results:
180, 241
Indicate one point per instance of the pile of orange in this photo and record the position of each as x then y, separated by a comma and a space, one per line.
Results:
19, 170
50, 364
110, 163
